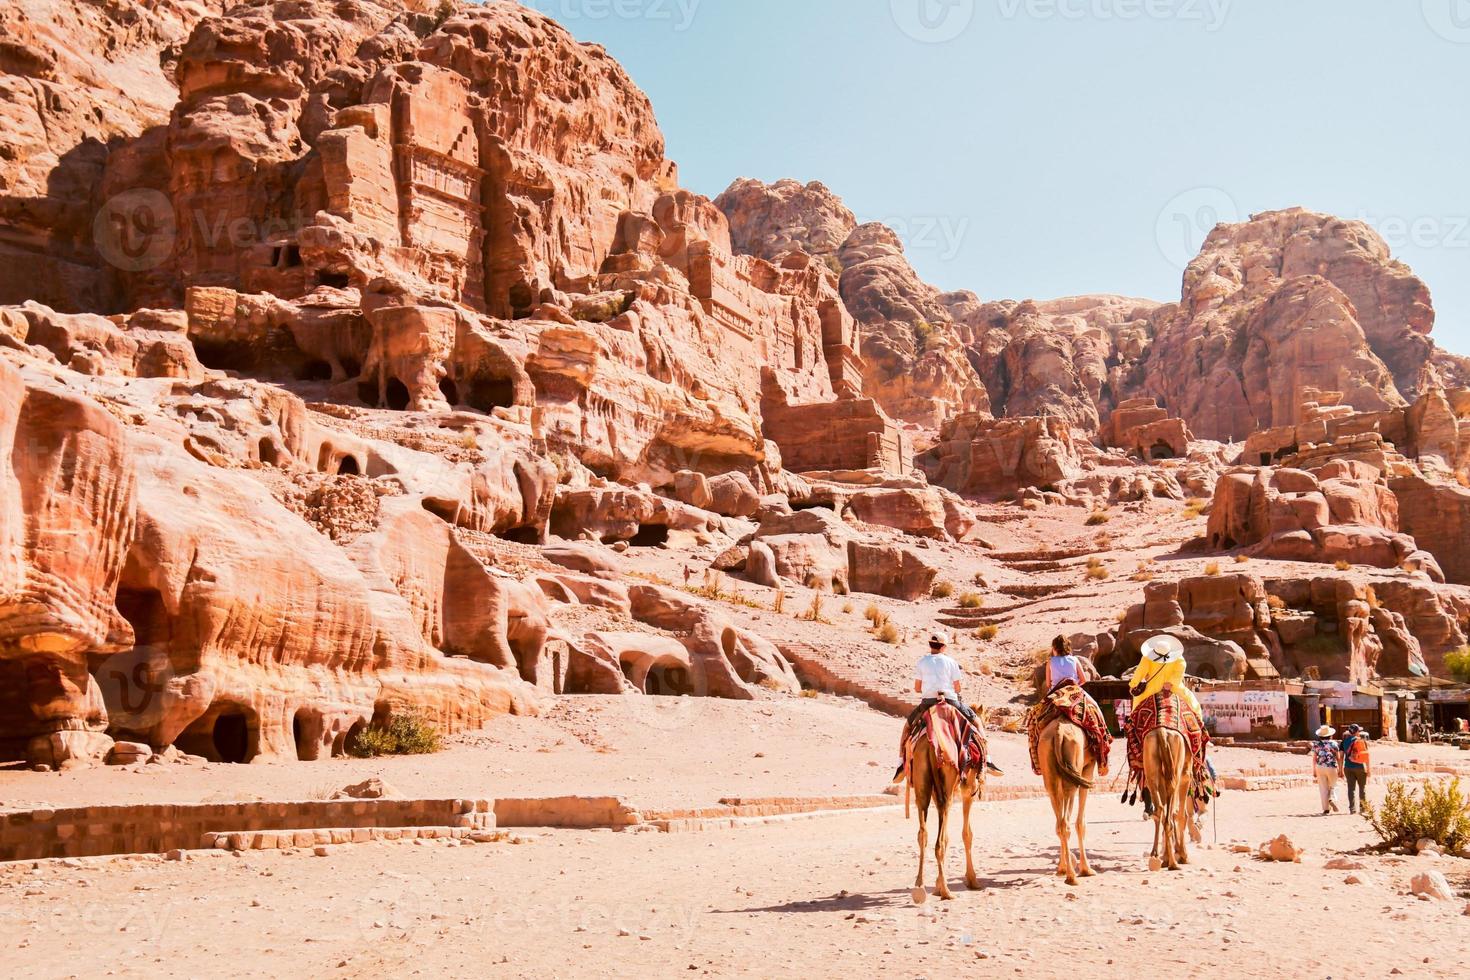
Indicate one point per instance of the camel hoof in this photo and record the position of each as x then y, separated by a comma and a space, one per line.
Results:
919, 895
973, 884
1072, 882
946, 897
1087, 873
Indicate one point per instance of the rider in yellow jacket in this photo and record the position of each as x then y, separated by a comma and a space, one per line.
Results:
1162, 666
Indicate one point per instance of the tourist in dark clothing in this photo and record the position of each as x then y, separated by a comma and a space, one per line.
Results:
1356, 767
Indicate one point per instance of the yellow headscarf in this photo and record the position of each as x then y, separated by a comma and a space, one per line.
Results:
1162, 665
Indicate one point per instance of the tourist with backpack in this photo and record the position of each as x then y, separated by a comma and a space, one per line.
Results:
1356, 767
1327, 767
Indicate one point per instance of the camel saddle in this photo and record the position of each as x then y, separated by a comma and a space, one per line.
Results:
1167, 710
1069, 702
957, 744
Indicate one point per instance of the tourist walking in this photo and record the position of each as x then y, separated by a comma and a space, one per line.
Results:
1327, 767
1356, 767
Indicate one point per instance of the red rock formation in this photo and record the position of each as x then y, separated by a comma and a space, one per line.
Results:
78, 80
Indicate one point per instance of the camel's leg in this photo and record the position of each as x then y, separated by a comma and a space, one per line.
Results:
1156, 852
1183, 816
942, 801
1063, 805
923, 794
1084, 869
972, 881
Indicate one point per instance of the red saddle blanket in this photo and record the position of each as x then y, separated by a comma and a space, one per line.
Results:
1070, 702
1168, 711
956, 743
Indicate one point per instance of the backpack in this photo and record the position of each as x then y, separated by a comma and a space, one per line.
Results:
1325, 754
1358, 754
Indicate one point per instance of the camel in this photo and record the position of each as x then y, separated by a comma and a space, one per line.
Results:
1168, 774
1068, 768
936, 779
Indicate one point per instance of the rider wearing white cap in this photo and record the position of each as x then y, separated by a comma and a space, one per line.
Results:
937, 676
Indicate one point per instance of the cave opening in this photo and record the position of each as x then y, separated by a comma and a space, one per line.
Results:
521, 535
305, 733
397, 395
449, 390
269, 455
233, 736
314, 370
335, 280
349, 467
488, 394
668, 681
1162, 450
650, 536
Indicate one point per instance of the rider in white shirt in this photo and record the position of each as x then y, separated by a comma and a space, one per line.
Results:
937, 676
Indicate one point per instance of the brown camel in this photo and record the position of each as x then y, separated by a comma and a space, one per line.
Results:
1068, 768
1168, 771
931, 778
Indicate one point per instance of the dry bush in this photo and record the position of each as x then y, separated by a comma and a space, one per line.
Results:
408, 734
814, 612
942, 590
1276, 603
1344, 566
1030, 505
972, 600
1212, 569
1098, 518
1242, 559
847, 608
780, 603
810, 693
987, 632
873, 614
1458, 663
1441, 813
888, 633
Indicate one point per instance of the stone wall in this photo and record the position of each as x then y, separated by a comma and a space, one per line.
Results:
852, 434
155, 828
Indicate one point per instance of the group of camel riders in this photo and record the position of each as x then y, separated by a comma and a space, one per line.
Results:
1160, 699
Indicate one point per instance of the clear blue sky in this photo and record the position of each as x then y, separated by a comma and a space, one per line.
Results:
1055, 147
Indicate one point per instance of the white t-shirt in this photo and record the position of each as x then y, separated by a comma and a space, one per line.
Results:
937, 675
1064, 669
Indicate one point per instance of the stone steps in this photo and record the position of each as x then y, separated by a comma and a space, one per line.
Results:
813, 672
1035, 591
1053, 554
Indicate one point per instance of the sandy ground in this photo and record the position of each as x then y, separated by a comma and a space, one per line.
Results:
821, 897
653, 752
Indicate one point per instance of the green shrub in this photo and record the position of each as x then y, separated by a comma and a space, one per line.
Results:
406, 734
1440, 813
1458, 663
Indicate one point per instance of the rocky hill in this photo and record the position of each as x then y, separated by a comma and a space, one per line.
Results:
348, 351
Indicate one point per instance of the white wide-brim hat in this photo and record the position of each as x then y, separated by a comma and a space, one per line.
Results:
1163, 649
1326, 731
